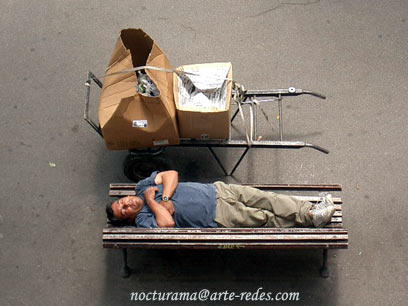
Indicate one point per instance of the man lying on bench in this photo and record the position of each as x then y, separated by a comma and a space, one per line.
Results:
161, 201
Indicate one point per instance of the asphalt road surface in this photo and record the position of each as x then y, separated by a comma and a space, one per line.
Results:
55, 170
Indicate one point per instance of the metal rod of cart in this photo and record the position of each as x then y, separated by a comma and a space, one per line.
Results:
139, 163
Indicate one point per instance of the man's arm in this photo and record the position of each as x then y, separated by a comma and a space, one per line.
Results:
161, 214
169, 179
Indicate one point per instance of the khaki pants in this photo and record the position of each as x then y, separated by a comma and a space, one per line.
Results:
243, 206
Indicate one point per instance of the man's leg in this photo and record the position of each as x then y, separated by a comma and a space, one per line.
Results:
231, 213
282, 210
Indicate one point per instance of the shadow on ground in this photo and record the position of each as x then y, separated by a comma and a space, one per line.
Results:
217, 270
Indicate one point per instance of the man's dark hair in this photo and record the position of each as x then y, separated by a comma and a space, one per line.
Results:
112, 219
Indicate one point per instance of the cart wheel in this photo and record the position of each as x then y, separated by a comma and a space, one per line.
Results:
137, 168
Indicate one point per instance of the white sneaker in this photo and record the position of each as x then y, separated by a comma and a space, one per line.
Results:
322, 215
326, 202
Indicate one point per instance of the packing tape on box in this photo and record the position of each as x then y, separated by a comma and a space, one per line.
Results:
239, 96
178, 72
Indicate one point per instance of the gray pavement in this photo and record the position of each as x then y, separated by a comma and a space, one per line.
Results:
51, 218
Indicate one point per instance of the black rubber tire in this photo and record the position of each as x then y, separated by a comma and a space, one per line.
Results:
137, 168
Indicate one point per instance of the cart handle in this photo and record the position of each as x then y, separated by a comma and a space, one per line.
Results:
91, 77
291, 91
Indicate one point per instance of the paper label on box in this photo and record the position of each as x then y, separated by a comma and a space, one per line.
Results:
161, 142
139, 123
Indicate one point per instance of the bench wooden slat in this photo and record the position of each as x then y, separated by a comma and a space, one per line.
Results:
216, 231
303, 187
334, 225
210, 245
120, 193
180, 237
314, 199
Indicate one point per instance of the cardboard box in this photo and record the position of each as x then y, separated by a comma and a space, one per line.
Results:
128, 119
203, 100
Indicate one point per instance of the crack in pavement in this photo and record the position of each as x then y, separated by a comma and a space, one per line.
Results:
282, 4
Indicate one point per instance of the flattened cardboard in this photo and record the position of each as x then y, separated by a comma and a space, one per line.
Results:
204, 124
122, 108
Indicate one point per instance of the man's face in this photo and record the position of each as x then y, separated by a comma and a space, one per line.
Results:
127, 207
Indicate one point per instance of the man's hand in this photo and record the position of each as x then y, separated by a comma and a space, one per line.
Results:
150, 193
169, 206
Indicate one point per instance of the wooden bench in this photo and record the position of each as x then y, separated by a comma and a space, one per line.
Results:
333, 236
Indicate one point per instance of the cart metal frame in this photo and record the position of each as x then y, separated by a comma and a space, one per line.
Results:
243, 98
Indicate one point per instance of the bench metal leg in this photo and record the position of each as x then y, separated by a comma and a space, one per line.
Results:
124, 270
324, 271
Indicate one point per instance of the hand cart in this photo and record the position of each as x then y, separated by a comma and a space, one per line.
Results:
141, 162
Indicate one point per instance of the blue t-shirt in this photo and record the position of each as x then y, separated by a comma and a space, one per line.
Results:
194, 204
